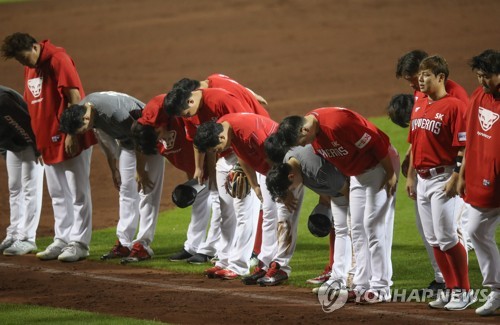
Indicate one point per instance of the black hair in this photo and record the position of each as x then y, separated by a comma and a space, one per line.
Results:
277, 180
408, 64
207, 136
186, 83
16, 43
176, 101
145, 138
275, 147
399, 109
289, 129
72, 119
488, 61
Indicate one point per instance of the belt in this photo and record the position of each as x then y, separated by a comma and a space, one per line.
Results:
431, 172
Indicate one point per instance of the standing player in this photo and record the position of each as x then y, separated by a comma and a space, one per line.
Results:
51, 85
25, 174
481, 169
437, 137
360, 150
156, 131
301, 166
407, 68
111, 114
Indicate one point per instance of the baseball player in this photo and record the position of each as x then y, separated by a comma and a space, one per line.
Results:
24, 172
245, 133
479, 176
51, 85
359, 150
111, 114
437, 137
156, 131
407, 68
202, 105
301, 166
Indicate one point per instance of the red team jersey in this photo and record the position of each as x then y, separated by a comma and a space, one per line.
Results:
348, 140
175, 147
482, 155
216, 103
43, 93
242, 93
437, 130
250, 132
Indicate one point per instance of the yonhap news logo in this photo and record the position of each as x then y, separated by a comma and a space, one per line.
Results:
333, 296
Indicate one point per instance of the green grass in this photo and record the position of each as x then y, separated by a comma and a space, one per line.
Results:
11, 314
410, 263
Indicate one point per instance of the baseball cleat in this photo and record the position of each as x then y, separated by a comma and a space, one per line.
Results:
274, 276
211, 272
74, 252
118, 251
137, 254
180, 256
461, 299
20, 247
490, 306
52, 251
226, 274
251, 279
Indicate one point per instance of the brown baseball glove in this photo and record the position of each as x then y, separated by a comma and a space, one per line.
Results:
237, 184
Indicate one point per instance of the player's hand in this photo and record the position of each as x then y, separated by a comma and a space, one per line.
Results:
258, 192
143, 182
261, 99
405, 165
450, 187
117, 179
411, 188
198, 174
290, 201
71, 145
391, 184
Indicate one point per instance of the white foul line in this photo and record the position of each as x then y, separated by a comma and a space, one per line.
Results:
285, 300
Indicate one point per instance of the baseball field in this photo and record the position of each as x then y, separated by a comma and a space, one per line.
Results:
299, 55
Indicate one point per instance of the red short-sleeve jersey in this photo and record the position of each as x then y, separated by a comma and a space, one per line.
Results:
216, 103
241, 92
174, 146
437, 130
43, 93
250, 132
348, 140
452, 88
482, 155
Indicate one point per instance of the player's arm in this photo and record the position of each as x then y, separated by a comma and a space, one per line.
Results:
450, 187
461, 178
142, 177
71, 145
406, 162
391, 179
199, 160
110, 148
259, 98
411, 182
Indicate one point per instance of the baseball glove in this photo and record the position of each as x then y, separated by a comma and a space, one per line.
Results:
237, 184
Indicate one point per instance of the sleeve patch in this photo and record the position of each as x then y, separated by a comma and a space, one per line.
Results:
462, 136
363, 141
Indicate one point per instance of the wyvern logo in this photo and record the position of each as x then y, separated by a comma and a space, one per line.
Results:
487, 118
35, 86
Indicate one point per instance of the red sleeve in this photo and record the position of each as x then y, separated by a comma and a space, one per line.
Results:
190, 126
65, 73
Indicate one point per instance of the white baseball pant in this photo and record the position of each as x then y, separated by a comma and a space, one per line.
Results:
25, 177
342, 253
372, 218
68, 183
211, 245
237, 222
482, 227
197, 236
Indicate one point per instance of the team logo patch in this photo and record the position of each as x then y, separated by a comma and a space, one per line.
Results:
487, 118
486, 182
462, 136
363, 141
169, 141
35, 86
